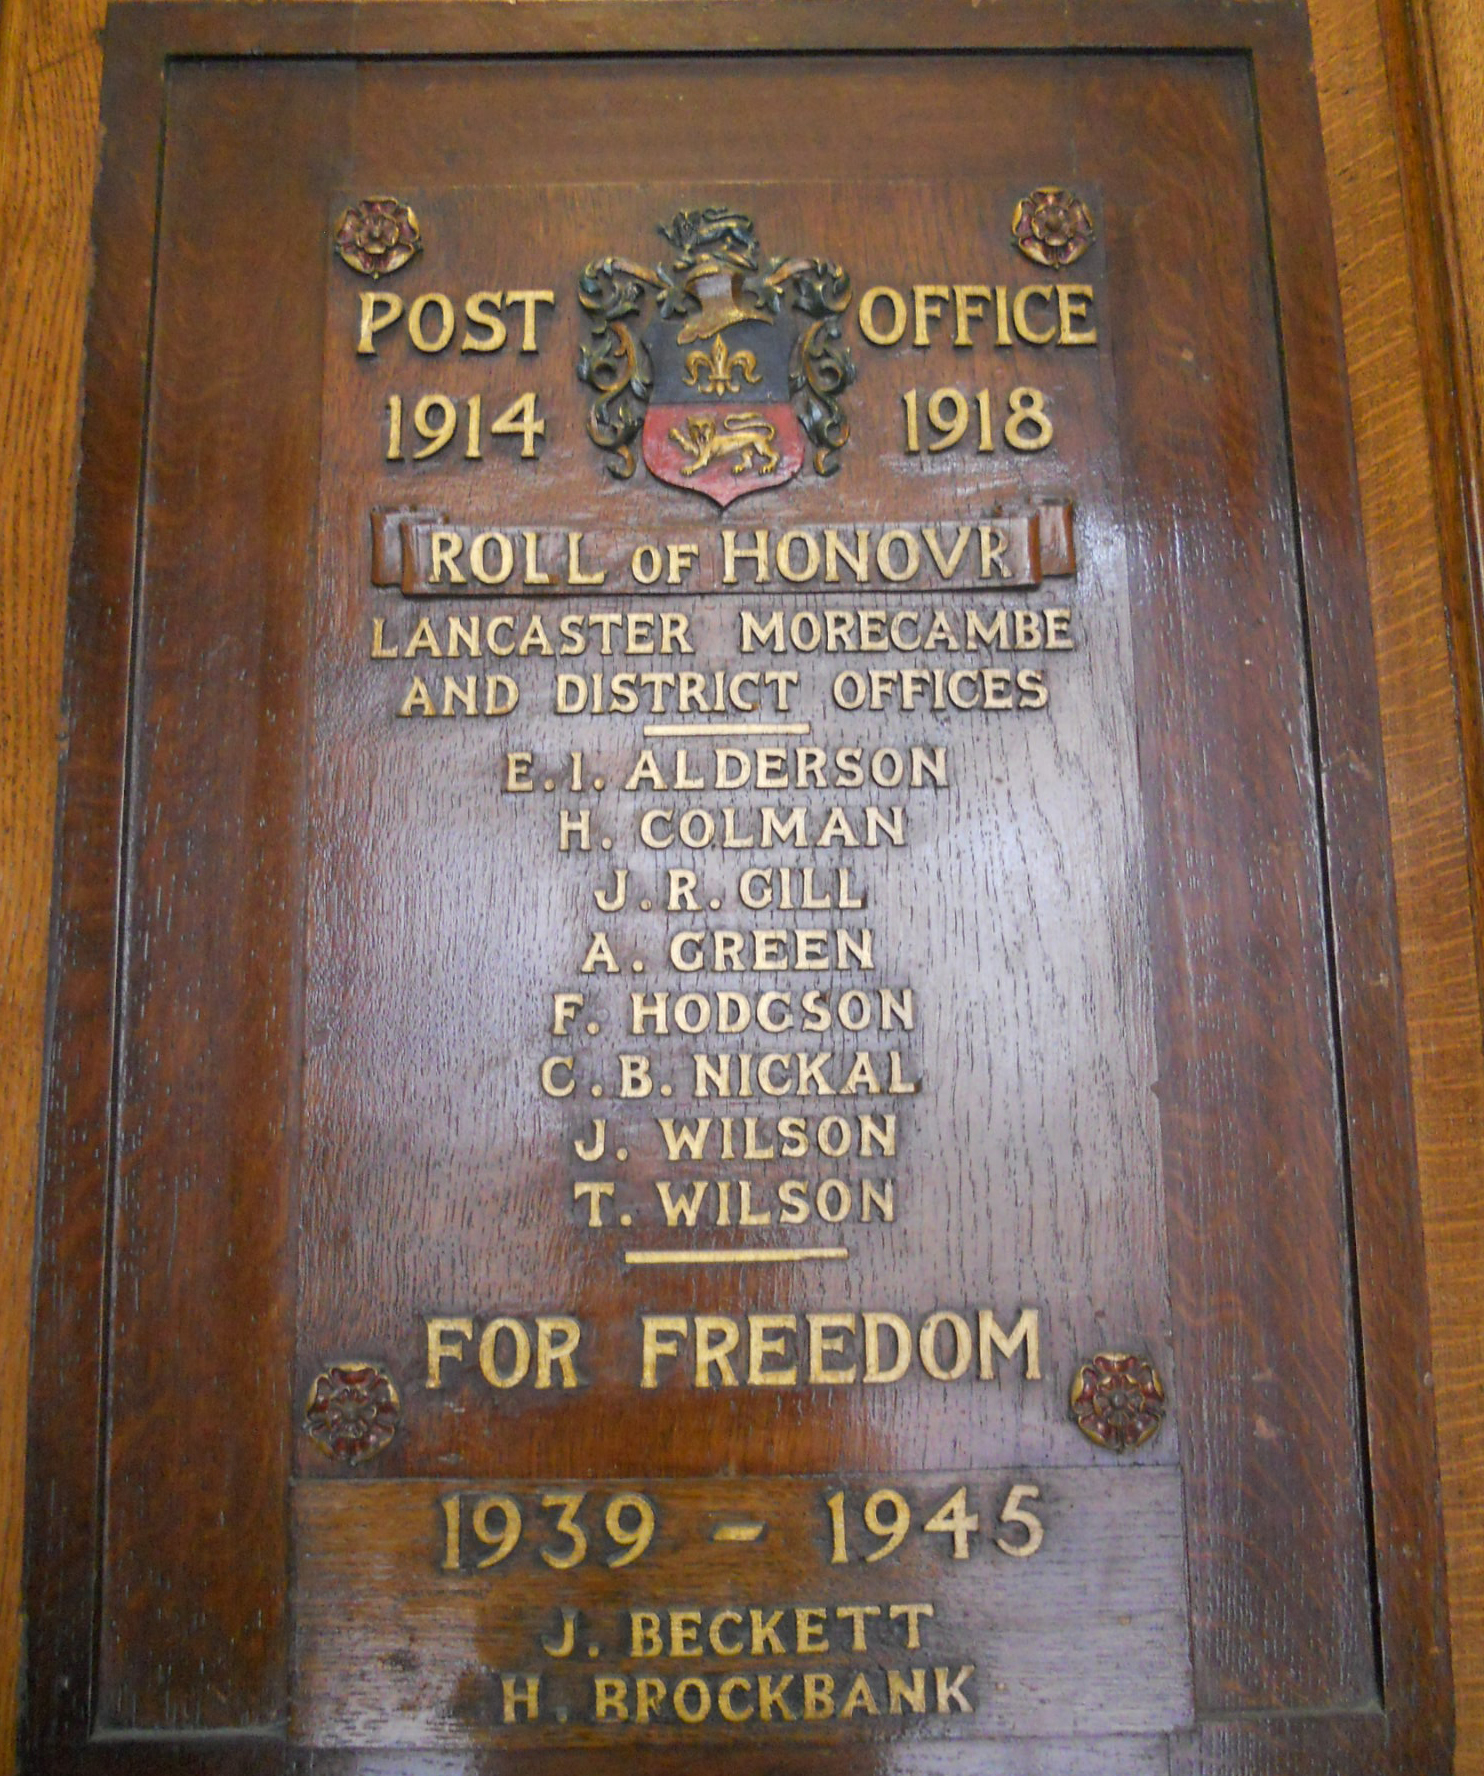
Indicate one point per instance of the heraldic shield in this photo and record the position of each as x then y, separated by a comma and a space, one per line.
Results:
719, 419
737, 376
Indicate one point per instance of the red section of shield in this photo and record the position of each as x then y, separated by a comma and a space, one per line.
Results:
724, 450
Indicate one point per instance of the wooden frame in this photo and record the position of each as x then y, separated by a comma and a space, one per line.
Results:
1411, 1731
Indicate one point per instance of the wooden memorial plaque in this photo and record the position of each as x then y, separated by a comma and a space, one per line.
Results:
726, 1077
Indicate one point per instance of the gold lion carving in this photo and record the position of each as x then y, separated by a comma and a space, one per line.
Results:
742, 435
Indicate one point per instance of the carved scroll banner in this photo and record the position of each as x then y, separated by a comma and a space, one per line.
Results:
711, 1118
424, 554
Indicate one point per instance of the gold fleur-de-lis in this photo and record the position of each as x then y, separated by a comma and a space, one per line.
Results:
724, 371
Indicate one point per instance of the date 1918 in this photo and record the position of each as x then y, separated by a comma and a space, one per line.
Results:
1027, 426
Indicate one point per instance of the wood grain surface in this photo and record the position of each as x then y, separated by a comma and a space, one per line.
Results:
1457, 41
359, 1607
190, 1151
221, 1076
1425, 779
1228, 760
48, 83
1450, 35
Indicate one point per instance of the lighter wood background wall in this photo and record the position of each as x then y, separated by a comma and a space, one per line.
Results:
1457, 29
1355, 42
49, 82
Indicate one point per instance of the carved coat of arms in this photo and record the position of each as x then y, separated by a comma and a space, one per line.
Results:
736, 380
